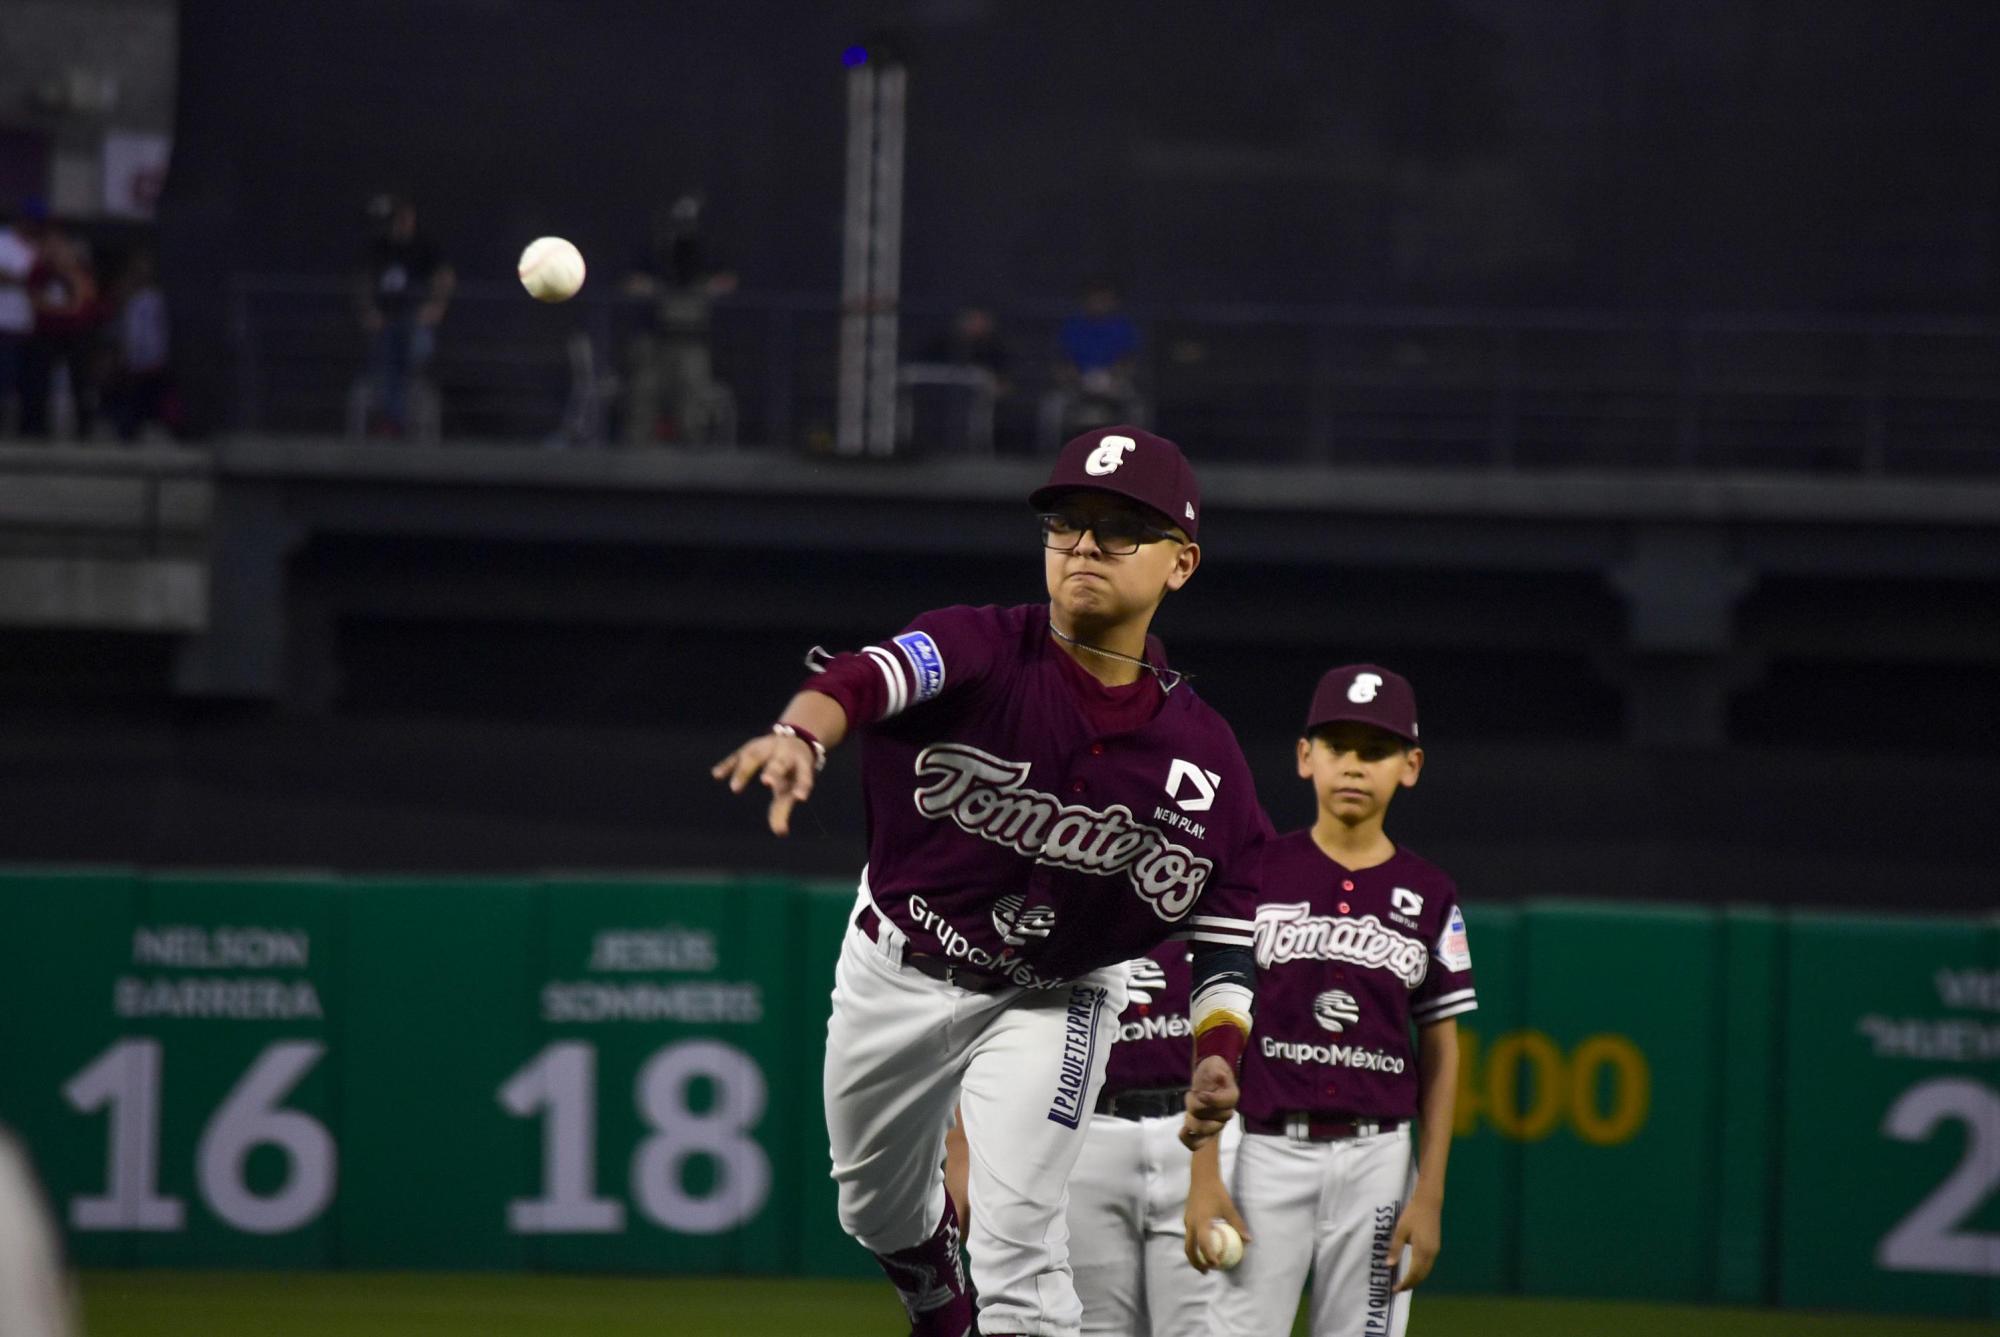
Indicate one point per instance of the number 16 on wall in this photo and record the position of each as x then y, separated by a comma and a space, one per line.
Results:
126, 1080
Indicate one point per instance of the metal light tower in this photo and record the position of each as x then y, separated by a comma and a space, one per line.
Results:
873, 257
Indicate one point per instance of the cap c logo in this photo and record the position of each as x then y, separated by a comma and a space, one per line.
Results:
1364, 688
1110, 453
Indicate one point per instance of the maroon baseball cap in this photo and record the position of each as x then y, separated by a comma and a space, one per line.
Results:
1365, 694
1128, 462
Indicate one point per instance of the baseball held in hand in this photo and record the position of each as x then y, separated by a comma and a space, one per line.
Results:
1223, 1246
551, 269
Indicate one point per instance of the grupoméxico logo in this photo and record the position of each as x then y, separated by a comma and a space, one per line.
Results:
1148, 980
1336, 1010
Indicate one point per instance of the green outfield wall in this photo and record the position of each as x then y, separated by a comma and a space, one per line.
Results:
622, 1074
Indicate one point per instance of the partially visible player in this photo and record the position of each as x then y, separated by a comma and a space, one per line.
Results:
1356, 941
1128, 1193
34, 1297
1046, 800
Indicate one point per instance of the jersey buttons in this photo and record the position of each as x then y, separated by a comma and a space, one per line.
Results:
1076, 786
1347, 885
1097, 749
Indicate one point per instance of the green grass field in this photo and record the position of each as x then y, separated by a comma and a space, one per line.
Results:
397, 1304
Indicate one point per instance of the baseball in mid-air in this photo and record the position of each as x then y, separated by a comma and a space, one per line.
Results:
551, 269
1223, 1246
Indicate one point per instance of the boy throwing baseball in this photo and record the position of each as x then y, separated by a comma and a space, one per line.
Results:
1357, 940
1046, 800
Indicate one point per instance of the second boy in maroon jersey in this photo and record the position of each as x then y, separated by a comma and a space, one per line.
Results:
1356, 942
1346, 961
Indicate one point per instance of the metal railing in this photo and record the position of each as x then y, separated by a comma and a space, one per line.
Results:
1396, 386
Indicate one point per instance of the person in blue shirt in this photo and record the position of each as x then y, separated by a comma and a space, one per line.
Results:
1095, 384
1100, 339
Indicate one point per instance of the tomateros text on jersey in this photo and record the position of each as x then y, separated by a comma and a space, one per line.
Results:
987, 797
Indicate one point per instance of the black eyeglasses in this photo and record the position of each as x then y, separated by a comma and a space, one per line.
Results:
1118, 535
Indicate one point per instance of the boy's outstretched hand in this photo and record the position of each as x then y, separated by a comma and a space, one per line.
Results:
784, 765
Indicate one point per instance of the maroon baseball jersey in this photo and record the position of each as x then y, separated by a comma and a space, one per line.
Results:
1018, 830
1346, 961
1154, 1034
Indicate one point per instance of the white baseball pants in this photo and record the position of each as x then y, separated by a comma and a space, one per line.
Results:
1024, 1067
1127, 1200
1327, 1208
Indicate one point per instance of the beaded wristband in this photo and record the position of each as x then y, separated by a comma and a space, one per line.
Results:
804, 735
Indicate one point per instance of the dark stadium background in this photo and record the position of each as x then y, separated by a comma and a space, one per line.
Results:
1649, 161
1624, 373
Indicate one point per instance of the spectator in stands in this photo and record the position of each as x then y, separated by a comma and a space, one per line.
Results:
973, 340
962, 369
62, 287
1100, 340
17, 312
405, 286
670, 368
1096, 383
139, 388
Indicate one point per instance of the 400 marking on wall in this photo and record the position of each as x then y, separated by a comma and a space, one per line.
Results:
1524, 1086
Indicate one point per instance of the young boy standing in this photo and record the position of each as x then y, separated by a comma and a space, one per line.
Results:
1356, 941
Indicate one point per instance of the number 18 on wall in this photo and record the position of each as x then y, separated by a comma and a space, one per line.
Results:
560, 1085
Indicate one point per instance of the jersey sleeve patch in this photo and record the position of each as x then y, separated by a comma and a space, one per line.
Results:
926, 664
1452, 947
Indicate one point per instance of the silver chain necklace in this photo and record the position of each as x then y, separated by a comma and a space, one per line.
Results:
1169, 678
